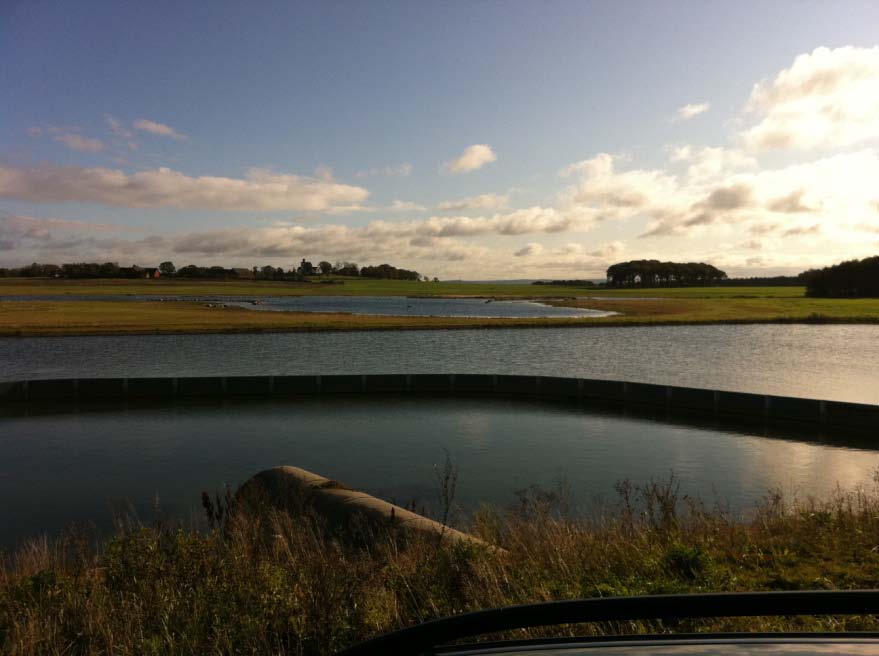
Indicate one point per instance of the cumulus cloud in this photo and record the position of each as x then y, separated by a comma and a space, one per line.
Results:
80, 143
405, 206
18, 230
402, 170
259, 190
691, 110
529, 250
711, 163
571, 248
609, 249
481, 202
474, 157
69, 136
799, 231
793, 203
829, 97
435, 239
370, 242
616, 194
158, 129
118, 128
839, 187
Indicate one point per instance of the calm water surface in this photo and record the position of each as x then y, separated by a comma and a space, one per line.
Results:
370, 305
62, 468
829, 362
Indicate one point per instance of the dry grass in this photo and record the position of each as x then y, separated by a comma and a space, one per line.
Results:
35, 318
282, 586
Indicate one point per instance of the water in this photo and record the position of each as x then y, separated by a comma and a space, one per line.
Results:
825, 362
58, 468
370, 305
62, 468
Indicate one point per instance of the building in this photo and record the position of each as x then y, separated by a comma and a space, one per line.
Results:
306, 268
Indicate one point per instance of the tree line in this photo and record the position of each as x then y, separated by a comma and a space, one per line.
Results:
80, 270
653, 273
850, 279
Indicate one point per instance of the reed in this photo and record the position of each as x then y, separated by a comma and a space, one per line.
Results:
276, 584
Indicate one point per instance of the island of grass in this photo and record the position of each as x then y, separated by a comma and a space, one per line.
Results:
633, 307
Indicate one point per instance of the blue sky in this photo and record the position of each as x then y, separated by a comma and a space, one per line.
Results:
254, 133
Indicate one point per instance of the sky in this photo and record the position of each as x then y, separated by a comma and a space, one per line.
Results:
465, 140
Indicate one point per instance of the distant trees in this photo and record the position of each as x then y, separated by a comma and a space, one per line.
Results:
167, 269
566, 283
854, 278
346, 269
653, 273
388, 272
34, 270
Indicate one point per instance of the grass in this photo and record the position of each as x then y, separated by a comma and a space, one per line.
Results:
36, 318
360, 287
691, 305
720, 309
274, 584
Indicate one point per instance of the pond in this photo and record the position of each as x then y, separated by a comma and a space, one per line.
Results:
83, 467
827, 362
369, 305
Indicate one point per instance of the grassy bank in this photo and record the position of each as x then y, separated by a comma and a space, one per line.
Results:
36, 318
361, 287
283, 587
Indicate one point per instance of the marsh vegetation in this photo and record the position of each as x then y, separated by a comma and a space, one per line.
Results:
274, 584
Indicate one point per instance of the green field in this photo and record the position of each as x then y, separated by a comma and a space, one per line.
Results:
695, 305
361, 287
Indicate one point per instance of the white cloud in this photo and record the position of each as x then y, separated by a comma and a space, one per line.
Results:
792, 203
402, 170
691, 110
826, 98
609, 249
710, 163
608, 193
529, 250
118, 128
829, 191
18, 230
571, 248
518, 222
803, 230
80, 143
481, 202
158, 129
474, 157
260, 190
405, 206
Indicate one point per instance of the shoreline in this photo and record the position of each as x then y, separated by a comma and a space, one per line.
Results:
35, 317
507, 325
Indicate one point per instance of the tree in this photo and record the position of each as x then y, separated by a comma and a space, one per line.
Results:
653, 273
167, 269
347, 269
852, 279
325, 267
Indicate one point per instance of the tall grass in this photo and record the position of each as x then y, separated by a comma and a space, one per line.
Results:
278, 584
